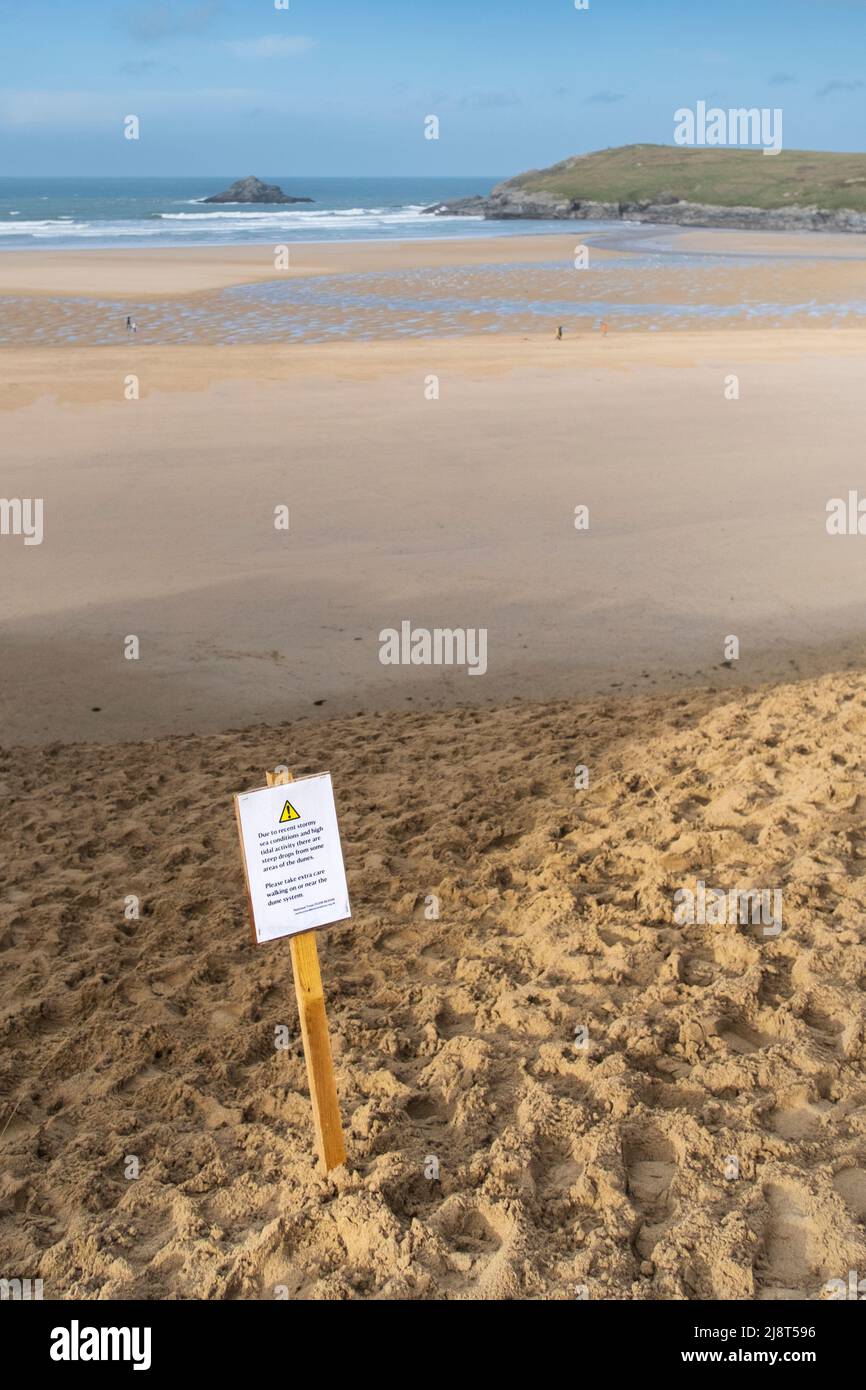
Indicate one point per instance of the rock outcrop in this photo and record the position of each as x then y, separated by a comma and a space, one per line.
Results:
508, 201
252, 190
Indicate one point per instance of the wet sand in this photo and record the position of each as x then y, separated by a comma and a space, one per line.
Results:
172, 271
151, 273
638, 280
707, 519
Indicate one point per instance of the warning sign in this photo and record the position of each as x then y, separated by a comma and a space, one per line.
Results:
293, 859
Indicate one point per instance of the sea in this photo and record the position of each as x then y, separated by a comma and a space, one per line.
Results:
101, 212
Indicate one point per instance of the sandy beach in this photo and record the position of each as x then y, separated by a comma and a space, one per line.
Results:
638, 279
167, 271
707, 519
604, 1168
434, 478
187, 270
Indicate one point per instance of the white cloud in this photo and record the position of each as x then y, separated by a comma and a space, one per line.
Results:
272, 46
41, 110
56, 110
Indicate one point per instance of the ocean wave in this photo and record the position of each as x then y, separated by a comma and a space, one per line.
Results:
48, 227
342, 220
275, 209
61, 227
295, 213
218, 225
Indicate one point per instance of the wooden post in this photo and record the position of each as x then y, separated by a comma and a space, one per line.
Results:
317, 1043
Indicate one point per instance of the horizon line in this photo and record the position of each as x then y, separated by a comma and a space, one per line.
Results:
132, 177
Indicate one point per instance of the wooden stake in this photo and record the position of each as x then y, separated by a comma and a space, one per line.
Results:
317, 1043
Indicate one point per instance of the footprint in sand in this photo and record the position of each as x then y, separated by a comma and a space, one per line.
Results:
741, 1037
482, 1255
796, 1117
451, 1024
555, 1173
851, 1186
426, 1110
786, 1268
650, 1164
825, 1031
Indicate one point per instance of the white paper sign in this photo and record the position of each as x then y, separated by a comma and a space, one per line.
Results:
292, 857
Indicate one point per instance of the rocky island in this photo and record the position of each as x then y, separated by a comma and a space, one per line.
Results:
796, 190
252, 190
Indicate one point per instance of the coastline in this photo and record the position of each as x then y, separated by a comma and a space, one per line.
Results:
638, 280
517, 204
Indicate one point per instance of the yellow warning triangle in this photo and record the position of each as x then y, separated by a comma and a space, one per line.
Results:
289, 813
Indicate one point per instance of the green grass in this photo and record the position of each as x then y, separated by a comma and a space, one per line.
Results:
723, 177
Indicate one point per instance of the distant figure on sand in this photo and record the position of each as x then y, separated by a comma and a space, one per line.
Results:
603, 329
131, 325
559, 333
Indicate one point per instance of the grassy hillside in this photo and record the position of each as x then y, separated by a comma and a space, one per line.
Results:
724, 177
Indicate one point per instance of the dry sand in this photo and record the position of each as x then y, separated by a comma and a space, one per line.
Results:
454, 1039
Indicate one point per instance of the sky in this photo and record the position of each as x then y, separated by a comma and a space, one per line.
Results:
342, 87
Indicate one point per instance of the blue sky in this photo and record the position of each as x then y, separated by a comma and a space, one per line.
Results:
343, 86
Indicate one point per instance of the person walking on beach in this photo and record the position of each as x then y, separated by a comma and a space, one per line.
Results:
603, 329
559, 334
